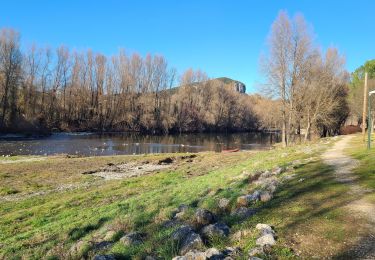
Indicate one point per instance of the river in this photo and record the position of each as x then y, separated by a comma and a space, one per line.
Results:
90, 144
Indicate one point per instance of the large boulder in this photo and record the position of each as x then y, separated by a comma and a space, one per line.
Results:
204, 217
215, 230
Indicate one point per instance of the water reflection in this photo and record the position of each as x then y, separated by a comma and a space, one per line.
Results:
132, 143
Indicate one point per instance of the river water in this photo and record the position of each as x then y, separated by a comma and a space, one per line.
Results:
129, 143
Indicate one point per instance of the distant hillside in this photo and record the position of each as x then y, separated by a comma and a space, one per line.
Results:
237, 85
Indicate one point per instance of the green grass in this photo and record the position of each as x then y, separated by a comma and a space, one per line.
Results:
366, 168
50, 224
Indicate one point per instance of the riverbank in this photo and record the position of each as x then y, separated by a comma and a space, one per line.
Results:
63, 207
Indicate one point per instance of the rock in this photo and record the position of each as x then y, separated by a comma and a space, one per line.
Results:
234, 252
277, 170
109, 235
187, 239
265, 196
104, 257
266, 175
265, 229
102, 245
242, 201
190, 242
192, 255
215, 230
212, 253
180, 233
241, 234
255, 196
131, 239
179, 215
271, 188
243, 213
223, 204
267, 239
256, 251
289, 177
247, 199
182, 208
171, 223
204, 217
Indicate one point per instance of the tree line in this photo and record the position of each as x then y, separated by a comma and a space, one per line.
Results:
43, 90
312, 86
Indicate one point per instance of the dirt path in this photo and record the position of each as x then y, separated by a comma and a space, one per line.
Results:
344, 165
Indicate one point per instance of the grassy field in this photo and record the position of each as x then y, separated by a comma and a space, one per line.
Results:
48, 207
366, 168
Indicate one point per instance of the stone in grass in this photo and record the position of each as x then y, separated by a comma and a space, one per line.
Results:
271, 188
247, 199
190, 242
182, 208
255, 258
223, 204
243, 213
277, 170
266, 174
132, 239
265, 196
204, 216
243, 200
215, 230
267, 239
181, 232
187, 239
213, 253
256, 251
104, 257
192, 255
233, 252
265, 229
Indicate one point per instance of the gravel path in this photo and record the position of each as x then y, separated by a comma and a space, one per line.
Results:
344, 165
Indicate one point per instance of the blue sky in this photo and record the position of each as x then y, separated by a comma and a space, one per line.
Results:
223, 38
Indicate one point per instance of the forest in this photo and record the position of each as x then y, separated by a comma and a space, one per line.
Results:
43, 90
